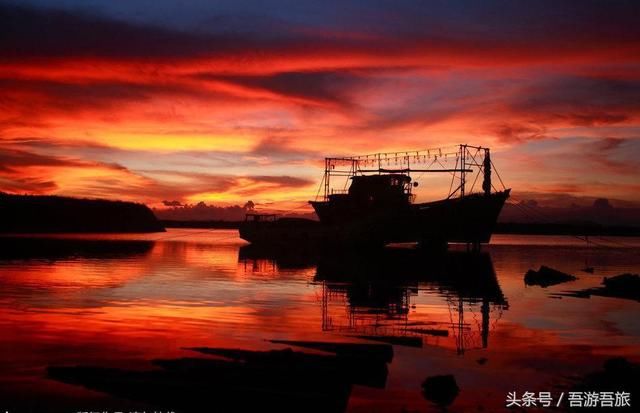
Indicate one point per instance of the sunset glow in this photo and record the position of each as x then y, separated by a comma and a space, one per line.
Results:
226, 103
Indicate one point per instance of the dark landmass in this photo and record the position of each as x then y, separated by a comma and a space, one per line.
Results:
382, 352
56, 214
169, 223
430, 331
407, 341
238, 380
618, 375
201, 211
625, 286
441, 390
602, 213
577, 229
546, 277
364, 369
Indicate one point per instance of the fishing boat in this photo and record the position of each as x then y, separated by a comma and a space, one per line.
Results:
379, 207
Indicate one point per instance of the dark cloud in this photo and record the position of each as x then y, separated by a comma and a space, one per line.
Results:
330, 87
282, 148
469, 30
611, 155
37, 33
28, 101
25, 171
204, 182
12, 160
72, 96
518, 132
32, 185
504, 69
283, 181
581, 101
161, 183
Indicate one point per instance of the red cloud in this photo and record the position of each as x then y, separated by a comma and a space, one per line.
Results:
119, 93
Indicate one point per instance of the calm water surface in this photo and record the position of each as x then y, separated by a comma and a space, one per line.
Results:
123, 300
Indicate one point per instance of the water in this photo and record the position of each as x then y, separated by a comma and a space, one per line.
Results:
124, 300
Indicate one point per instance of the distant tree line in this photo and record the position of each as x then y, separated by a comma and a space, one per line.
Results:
177, 211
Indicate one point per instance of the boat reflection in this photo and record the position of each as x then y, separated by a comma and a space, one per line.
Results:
401, 296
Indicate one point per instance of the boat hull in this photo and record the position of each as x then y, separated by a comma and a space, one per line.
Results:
470, 219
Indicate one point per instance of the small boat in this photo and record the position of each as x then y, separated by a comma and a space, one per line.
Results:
378, 208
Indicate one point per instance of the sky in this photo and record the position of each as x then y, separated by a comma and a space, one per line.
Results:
230, 101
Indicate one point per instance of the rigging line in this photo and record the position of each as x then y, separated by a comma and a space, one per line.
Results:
607, 239
478, 165
284, 211
480, 171
524, 208
319, 188
530, 214
474, 181
453, 179
493, 167
530, 211
443, 167
194, 233
422, 173
541, 216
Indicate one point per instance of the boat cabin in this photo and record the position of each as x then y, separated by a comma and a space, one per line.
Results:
377, 189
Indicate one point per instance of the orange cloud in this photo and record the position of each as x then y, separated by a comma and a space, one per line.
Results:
137, 111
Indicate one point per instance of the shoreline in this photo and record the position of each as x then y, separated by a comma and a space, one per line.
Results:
501, 228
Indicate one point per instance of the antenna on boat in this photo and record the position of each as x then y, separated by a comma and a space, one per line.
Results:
463, 175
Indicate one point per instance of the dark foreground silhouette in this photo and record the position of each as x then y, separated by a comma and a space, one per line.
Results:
53, 214
241, 380
442, 390
546, 276
625, 286
618, 375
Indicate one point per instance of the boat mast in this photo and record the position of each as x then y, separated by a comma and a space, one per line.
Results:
463, 174
327, 175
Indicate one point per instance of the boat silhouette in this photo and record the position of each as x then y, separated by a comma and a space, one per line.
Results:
378, 207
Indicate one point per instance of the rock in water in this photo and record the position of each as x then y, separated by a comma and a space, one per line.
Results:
622, 286
546, 276
441, 390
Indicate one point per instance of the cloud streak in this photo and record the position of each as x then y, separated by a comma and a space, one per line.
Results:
241, 101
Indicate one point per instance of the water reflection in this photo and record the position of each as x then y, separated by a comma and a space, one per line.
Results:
124, 301
54, 249
369, 295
